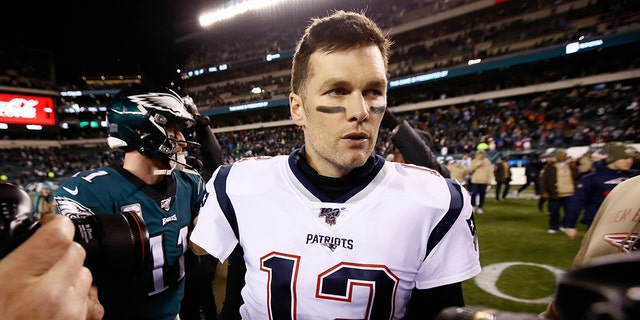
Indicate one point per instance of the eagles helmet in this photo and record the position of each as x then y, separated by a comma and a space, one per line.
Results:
138, 116
16, 217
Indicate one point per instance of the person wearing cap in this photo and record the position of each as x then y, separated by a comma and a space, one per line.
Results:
44, 203
558, 181
595, 186
456, 170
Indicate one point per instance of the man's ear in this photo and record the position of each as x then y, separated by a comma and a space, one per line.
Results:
296, 109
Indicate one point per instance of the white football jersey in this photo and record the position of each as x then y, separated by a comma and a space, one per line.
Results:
357, 258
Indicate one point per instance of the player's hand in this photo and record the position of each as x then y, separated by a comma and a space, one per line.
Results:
571, 232
44, 278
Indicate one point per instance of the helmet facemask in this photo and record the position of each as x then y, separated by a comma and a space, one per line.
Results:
169, 148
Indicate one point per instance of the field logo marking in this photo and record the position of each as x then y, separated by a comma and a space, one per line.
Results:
487, 279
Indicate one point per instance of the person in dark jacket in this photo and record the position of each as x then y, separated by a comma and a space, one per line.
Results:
595, 186
502, 175
532, 173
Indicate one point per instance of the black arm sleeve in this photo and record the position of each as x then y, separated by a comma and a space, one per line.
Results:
427, 304
236, 270
415, 150
210, 149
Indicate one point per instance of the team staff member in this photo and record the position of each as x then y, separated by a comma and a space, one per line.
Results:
502, 174
481, 174
147, 123
456, 169
323, 226
558, 180
595, 186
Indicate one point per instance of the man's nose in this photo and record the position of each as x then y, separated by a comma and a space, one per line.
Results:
358, 108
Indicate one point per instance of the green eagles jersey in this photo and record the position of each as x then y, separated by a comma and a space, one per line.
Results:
166, 209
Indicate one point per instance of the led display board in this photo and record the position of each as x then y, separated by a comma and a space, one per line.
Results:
27, 110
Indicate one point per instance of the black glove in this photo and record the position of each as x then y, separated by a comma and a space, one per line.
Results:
389, 121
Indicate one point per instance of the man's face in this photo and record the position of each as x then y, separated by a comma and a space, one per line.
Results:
341, 109
623, 164
174, 132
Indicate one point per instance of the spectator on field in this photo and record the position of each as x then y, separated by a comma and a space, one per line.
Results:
481, 175
502, 175
532, 174
547, 158
595, 186
44, 204
557, 184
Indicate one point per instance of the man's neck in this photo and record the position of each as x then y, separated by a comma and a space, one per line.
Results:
143, 167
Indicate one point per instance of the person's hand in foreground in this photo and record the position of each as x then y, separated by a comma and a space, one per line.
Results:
44, 278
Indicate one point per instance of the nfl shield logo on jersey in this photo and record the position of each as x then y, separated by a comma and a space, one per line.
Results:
330, 215
166, 204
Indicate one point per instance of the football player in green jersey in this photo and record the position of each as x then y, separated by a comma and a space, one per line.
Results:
154, 182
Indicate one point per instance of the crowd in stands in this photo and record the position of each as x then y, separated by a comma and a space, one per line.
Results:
21, 165
518, 26
563, 118
238, 42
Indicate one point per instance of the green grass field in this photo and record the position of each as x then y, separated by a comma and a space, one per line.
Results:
515, 231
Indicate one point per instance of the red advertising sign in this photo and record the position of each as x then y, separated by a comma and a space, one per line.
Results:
21, 109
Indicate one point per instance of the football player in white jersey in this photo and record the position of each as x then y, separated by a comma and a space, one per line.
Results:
333, 231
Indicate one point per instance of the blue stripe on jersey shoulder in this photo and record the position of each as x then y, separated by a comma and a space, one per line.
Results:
455, 208
220, 184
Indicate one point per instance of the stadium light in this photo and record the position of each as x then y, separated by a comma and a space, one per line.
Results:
232, 9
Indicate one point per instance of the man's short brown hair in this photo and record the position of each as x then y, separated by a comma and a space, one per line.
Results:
340, 31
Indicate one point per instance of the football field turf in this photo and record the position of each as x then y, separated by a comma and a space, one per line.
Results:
521, 262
